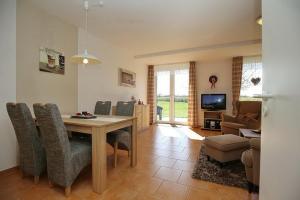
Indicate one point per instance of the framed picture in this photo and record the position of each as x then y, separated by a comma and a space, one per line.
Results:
51, 61
126, 78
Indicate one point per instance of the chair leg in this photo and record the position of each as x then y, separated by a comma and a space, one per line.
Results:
67, 191
50, 183
36, 179
70, 134
250, 187
129, 153
115, 154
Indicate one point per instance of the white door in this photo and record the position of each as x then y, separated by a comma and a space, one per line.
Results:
280, 153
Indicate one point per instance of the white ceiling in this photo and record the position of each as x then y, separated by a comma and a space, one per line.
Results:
150, 26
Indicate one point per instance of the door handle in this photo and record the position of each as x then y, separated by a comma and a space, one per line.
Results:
264, 97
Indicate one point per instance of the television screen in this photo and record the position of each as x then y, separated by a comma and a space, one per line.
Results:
213, 101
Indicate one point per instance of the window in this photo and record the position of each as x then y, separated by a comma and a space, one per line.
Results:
251, 78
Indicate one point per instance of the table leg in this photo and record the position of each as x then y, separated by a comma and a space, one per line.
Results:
134, 143
99, 159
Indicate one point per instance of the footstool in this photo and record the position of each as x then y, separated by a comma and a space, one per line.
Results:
224, 148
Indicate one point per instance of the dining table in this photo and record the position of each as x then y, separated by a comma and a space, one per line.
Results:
98, 128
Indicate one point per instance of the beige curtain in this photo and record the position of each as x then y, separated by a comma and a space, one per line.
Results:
237, 69
192, 101
150, 91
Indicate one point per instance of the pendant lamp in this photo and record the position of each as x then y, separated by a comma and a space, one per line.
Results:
85, 58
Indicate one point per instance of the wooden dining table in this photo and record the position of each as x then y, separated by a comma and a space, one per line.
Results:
98, 128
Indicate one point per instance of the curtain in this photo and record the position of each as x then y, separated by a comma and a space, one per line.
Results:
192, 100
237, 69
150, 91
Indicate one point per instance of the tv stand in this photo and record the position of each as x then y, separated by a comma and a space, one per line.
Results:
212, 120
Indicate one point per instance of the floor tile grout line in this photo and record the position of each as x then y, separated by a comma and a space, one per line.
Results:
162, 181
179, 176
156, 171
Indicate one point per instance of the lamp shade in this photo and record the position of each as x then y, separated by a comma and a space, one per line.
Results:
85, 58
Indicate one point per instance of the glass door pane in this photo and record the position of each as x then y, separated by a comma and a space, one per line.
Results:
163, 95
181, 88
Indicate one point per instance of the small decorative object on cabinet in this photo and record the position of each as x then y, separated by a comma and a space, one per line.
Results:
212, 120
141, 112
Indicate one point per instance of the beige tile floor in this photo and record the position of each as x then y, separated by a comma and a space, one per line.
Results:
166, 158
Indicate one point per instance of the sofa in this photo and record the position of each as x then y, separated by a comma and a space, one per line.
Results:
248, 116
251, 160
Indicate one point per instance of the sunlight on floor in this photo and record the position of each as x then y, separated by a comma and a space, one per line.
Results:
191, 134
177, 132
164, 129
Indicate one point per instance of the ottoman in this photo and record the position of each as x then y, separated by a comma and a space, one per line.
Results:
224, 148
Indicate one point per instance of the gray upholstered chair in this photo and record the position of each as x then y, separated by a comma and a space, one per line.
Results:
102, 108
121, 139
65, 159
32, 154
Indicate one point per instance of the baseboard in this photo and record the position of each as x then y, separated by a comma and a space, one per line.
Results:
9, 170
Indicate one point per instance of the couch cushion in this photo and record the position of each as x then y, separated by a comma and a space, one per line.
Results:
233, 125
227, 142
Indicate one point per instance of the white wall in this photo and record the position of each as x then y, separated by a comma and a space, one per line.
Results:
280, 153
8, 144
223, 70
35, 29
100, 82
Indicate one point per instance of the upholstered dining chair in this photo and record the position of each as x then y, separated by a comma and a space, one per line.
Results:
65, 158
102, 108
121, 139
32, 154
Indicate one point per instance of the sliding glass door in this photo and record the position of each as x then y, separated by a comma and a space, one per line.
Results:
172, 95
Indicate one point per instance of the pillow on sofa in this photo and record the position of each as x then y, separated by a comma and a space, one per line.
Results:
248, 117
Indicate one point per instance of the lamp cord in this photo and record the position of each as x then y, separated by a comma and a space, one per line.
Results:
86, 25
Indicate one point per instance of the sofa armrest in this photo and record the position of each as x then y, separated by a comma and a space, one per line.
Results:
255, 146
247, 158
228, 118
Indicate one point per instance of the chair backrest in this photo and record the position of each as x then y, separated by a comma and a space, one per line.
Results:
102, 108
26, 132
125, 108
55, 137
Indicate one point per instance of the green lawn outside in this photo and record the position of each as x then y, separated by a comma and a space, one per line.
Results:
181, 108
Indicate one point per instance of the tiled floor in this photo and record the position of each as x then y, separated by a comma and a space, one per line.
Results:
166, 158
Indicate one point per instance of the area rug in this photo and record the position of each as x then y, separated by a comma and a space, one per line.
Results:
232, 173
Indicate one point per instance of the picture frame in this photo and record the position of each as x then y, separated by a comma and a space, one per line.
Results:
127, 78
51, 61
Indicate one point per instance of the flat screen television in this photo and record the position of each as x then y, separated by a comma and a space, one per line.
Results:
213, 101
